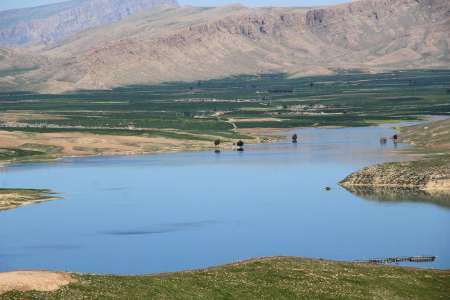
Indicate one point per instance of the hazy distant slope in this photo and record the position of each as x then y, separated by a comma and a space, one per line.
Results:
15, 64
201, 43
46, 24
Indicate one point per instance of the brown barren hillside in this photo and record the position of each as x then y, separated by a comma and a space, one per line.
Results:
172, 44
52, 23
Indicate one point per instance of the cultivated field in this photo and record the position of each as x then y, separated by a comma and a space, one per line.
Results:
189, 116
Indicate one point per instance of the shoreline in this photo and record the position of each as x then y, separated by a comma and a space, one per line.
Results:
271, 135
258, 136
15, 198
398, 176
64, 284
414, 175
429, 171
22, 196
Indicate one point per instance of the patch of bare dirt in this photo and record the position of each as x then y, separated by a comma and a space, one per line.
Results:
42, 281
245, 120
438, 185
81, 144
263, 131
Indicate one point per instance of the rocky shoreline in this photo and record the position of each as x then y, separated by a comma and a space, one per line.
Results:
431, 173
427, 175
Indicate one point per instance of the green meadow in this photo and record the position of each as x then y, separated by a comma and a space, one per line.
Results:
346, 99
266, 278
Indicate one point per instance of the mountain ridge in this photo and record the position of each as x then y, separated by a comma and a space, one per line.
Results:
188, 43
54, 22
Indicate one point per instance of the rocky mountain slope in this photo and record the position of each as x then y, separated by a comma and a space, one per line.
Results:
200, 43
52, 23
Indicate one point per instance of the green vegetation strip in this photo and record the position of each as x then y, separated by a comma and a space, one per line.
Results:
266, 278
208, 110
29, 152
345, 99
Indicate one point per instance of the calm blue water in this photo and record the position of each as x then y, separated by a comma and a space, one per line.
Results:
169, 212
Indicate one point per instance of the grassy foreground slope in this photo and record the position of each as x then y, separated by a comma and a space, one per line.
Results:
266, 278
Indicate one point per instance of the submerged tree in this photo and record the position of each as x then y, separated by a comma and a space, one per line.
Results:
216, 145
240, 145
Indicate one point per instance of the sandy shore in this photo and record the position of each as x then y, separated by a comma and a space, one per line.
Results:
77, 144
84, 144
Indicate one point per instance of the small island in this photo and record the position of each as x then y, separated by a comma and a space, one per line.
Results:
13, 198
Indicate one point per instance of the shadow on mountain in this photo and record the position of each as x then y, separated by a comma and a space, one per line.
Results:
389, 194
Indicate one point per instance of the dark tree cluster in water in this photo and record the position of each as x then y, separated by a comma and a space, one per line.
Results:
240, 145
216, 145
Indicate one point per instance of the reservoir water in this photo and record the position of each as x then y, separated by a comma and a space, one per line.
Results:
170, 212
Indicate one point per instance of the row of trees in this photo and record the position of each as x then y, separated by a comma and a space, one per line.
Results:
239, 144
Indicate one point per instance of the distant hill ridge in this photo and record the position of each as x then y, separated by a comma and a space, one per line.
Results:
52, 23
191, 43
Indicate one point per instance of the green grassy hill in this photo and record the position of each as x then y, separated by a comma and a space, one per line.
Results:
266, 278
